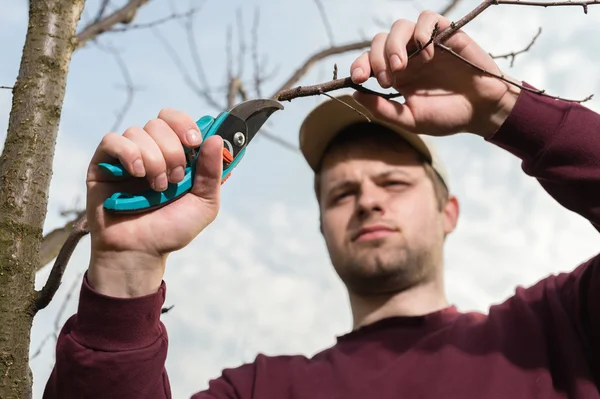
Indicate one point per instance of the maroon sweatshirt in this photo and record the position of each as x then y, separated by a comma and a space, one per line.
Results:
543, 342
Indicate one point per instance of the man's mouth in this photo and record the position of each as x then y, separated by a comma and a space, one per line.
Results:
372, 232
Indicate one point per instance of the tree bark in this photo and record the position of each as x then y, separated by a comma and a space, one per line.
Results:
25, 174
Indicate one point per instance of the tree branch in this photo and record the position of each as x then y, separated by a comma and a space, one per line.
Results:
514, 54
325, 20
45, 295
300, 72
157, 22
124, 15
6, 87
129, 87
54, 240
583, 4
450, 7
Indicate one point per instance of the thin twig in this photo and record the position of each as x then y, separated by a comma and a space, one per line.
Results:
514, 54
318, 56
583, 4
255, 60
277, 140
157, 22
325, 20
102, 10
306, 91
193, 47
6, 87
450, 7
61, 310
241, 44
45, 295
129, 87
347, 105
501, 77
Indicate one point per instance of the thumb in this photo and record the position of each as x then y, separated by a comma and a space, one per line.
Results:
209, 168
388, 110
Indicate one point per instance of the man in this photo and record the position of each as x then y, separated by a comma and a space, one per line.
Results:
385, 211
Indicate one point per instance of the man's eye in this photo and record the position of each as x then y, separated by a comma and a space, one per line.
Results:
395, 183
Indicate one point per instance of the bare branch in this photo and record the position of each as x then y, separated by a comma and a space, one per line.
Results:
277, 140
157, 22
306, 91
191, 83
256, 62
45, 295
6, 87
300, 72
504, 79
583, 4
193, 47
450, 7
58, 317
123, 15
242, 44
54, 240
325, 20
102, 10
513, 55
129, 87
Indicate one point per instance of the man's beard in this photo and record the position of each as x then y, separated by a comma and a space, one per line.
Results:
378, 268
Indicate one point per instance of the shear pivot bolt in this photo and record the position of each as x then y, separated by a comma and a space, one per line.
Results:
239, 139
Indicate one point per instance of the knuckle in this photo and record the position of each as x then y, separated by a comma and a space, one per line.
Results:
399, 23
379, 37
132, 131
166, 113
155, 125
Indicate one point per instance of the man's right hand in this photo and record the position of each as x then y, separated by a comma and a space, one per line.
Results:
129, 252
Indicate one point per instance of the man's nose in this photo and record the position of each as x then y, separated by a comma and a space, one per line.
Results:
370, 199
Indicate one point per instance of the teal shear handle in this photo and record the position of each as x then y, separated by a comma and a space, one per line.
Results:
128, 203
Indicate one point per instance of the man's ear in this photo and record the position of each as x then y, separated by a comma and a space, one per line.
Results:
451, 211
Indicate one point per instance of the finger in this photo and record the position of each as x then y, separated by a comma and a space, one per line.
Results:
183, 125
395, 46
114, 146
209, 169
154, 161
424, 29
390, 111
170, 146
360, 70
379, 60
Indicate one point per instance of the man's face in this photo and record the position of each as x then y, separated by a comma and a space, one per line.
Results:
380, 217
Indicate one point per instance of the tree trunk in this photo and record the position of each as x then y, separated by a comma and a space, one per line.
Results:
25, 174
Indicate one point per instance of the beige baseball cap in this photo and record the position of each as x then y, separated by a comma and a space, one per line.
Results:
328, 118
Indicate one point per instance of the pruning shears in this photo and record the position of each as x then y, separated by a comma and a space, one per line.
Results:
237, 127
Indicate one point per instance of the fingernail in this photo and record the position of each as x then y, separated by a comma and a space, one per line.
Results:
138, 168
177, 174
160, 182
356, 74
193, 136
395, 62
384, 79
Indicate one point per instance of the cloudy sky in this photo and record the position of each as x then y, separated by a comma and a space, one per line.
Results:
259, 278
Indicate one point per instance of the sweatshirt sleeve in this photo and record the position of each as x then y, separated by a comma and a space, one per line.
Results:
559, 144
112, 348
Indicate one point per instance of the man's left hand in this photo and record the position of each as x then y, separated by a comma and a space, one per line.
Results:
443, 94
